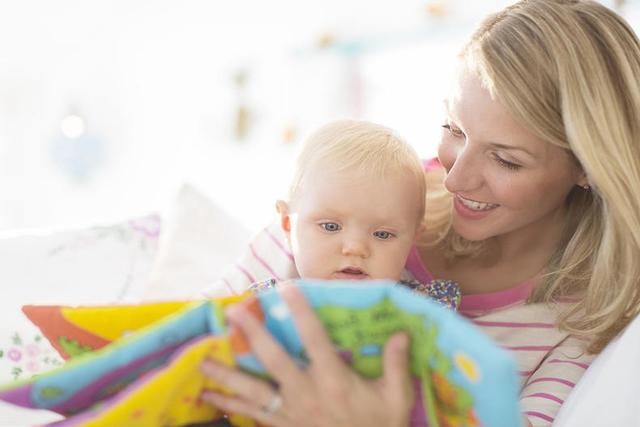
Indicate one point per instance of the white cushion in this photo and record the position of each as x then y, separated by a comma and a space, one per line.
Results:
90, 265
200, 240
609, 392
16, 416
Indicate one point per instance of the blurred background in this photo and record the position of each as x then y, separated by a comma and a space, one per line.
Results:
107, 107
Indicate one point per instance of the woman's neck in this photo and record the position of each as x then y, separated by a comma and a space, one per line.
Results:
508, 261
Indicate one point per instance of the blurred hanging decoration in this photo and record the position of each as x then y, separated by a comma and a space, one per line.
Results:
288, 134
350, 53
325, 40
77, 152
243, 116
436, 9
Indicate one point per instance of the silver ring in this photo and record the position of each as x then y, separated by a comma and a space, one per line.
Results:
274, 404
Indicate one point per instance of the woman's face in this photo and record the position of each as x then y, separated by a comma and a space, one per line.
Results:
505, 180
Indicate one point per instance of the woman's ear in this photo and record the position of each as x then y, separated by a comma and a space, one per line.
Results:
583, 181
282, 208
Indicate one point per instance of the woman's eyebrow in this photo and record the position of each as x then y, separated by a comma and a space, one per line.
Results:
497, 145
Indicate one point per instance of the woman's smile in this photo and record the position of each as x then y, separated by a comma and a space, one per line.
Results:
476, 205
472, 209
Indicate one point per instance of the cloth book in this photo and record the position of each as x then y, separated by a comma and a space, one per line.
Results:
151, 353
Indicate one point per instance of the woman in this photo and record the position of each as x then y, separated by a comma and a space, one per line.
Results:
536, 216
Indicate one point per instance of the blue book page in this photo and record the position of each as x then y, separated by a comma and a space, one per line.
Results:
461, 376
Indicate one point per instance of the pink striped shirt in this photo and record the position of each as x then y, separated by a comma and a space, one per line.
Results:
268, 256
550, 361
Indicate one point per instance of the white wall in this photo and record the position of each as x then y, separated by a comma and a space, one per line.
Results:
154, 81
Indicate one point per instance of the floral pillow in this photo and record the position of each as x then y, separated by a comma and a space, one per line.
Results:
96, 265
24, 352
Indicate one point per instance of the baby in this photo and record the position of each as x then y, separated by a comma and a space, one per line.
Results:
355, 207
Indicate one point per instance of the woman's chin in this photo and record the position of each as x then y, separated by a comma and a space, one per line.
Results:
470, 233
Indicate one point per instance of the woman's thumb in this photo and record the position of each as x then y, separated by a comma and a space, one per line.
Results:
397, 375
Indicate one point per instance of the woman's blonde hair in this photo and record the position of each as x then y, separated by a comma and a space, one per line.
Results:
570, 72
358, 146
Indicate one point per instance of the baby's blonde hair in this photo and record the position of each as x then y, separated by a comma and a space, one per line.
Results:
358, 146
569, 71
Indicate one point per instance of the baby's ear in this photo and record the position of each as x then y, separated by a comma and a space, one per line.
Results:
282, 208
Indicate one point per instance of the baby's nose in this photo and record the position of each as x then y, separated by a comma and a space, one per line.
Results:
355, 248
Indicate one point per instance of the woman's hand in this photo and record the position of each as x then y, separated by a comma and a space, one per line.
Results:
325, 393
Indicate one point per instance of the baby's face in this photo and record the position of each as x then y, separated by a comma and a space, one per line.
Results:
353, 226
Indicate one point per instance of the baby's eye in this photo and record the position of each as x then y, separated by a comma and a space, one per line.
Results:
330, 226
383, 235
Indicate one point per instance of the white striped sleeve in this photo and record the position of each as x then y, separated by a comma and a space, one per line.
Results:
267, 256
548, 387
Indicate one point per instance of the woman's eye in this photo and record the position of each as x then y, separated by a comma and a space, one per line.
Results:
453, 130
506, 164
330, 226
383, 235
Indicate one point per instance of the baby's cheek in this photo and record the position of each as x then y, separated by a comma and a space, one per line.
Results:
311, 260
399, 258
